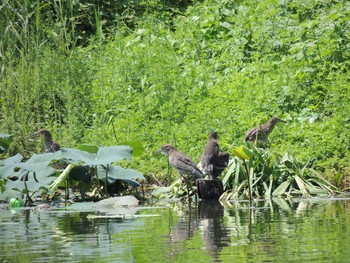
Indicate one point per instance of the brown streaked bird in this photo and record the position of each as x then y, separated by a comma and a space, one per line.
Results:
50, 144
262, 132
220, 164
210, 154
181, 162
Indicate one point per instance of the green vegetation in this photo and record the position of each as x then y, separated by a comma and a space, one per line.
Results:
92, 172
256, 172
152, 72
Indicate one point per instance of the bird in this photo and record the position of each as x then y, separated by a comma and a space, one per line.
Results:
186, 168
49, 143
262, 132
181, 162
222, 161
211, 152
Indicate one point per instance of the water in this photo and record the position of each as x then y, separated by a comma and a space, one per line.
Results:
314, 230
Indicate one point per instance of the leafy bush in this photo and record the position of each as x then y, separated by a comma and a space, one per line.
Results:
171, 72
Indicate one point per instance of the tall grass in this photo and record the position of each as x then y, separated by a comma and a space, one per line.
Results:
43, 82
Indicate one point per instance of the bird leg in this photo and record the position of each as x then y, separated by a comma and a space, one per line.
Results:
187, 183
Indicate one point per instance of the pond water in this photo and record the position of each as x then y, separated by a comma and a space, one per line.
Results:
315, 230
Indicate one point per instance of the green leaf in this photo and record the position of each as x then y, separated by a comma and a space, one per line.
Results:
87, 148
302, 186
76, 156
45, 157
107, 155
281, 189
104, 156
17, 185
118, 173
41, 170
13, 159
137, 147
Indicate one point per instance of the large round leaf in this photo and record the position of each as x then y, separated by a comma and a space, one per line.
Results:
137, 147
115, 172
87, 148
13, 159
109, 154
45, 157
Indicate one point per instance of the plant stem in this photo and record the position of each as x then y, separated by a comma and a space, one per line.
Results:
63, 176
106, 181
249, 189
28, 199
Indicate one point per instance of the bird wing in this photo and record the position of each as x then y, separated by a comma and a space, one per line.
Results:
211, 152
185, 165
251, 134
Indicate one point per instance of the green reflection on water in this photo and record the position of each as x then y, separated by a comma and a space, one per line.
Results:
273, 231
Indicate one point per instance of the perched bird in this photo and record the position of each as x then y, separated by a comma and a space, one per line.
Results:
50, 144
220, 164
262, 132
182, 163
210, 154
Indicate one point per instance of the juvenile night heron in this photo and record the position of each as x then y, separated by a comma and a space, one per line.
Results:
220, 164
262, 132
50, 144
210, 154
212, 160
182, 163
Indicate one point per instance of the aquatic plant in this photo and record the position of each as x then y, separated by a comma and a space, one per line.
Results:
265, 173
39, 173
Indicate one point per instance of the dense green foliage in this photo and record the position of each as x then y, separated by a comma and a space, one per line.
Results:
159, 72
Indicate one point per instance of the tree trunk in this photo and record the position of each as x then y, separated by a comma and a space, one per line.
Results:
209, 189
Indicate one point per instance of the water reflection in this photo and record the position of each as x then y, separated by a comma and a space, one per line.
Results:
215, 234
207, 218
272, 231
